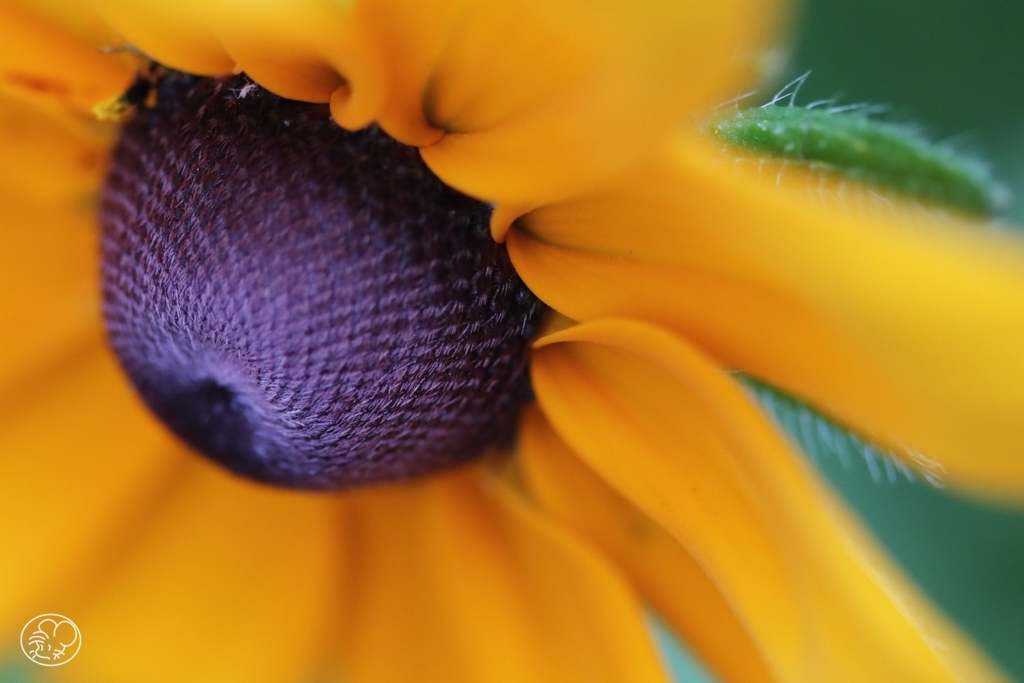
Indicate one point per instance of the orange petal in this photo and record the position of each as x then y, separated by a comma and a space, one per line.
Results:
288, 49
72, 17
173, 32
369, 59
50, 299
901, 323
684, 443
48, 159
665, 574
227, 581
543, 99
459, 580
539, 100
79, 459
46, 64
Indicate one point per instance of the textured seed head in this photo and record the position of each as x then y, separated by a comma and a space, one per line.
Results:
308, 306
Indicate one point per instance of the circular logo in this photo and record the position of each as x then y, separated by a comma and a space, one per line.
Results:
50, 639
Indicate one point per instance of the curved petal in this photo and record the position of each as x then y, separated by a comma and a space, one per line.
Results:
79, 458
469, 583
534, 100
902, 323
320, 52
47, 64
176, 34
679, 439
543, 99
664, 573
242, 580
290, 49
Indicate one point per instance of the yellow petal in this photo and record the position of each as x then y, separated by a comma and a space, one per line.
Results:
47, 159
459, 580
98, 523
542, 99
288, 49
658, 421
79, 461
174, 33
368, 59
538, 99
668, 577
48, 280
226, 581
72, 17
48, 65
901, 323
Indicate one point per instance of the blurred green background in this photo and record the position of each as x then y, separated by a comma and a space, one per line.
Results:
956, 67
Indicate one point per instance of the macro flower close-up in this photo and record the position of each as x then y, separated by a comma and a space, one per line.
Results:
477, 341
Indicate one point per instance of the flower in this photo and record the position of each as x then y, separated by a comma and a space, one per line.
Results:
644, 474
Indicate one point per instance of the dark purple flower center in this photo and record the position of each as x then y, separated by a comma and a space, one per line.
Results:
308, 306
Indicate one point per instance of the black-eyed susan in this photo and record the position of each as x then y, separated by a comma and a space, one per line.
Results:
644, 475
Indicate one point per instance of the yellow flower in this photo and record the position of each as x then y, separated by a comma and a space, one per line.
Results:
643, 476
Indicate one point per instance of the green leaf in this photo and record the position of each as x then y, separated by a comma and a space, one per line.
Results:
848, 142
